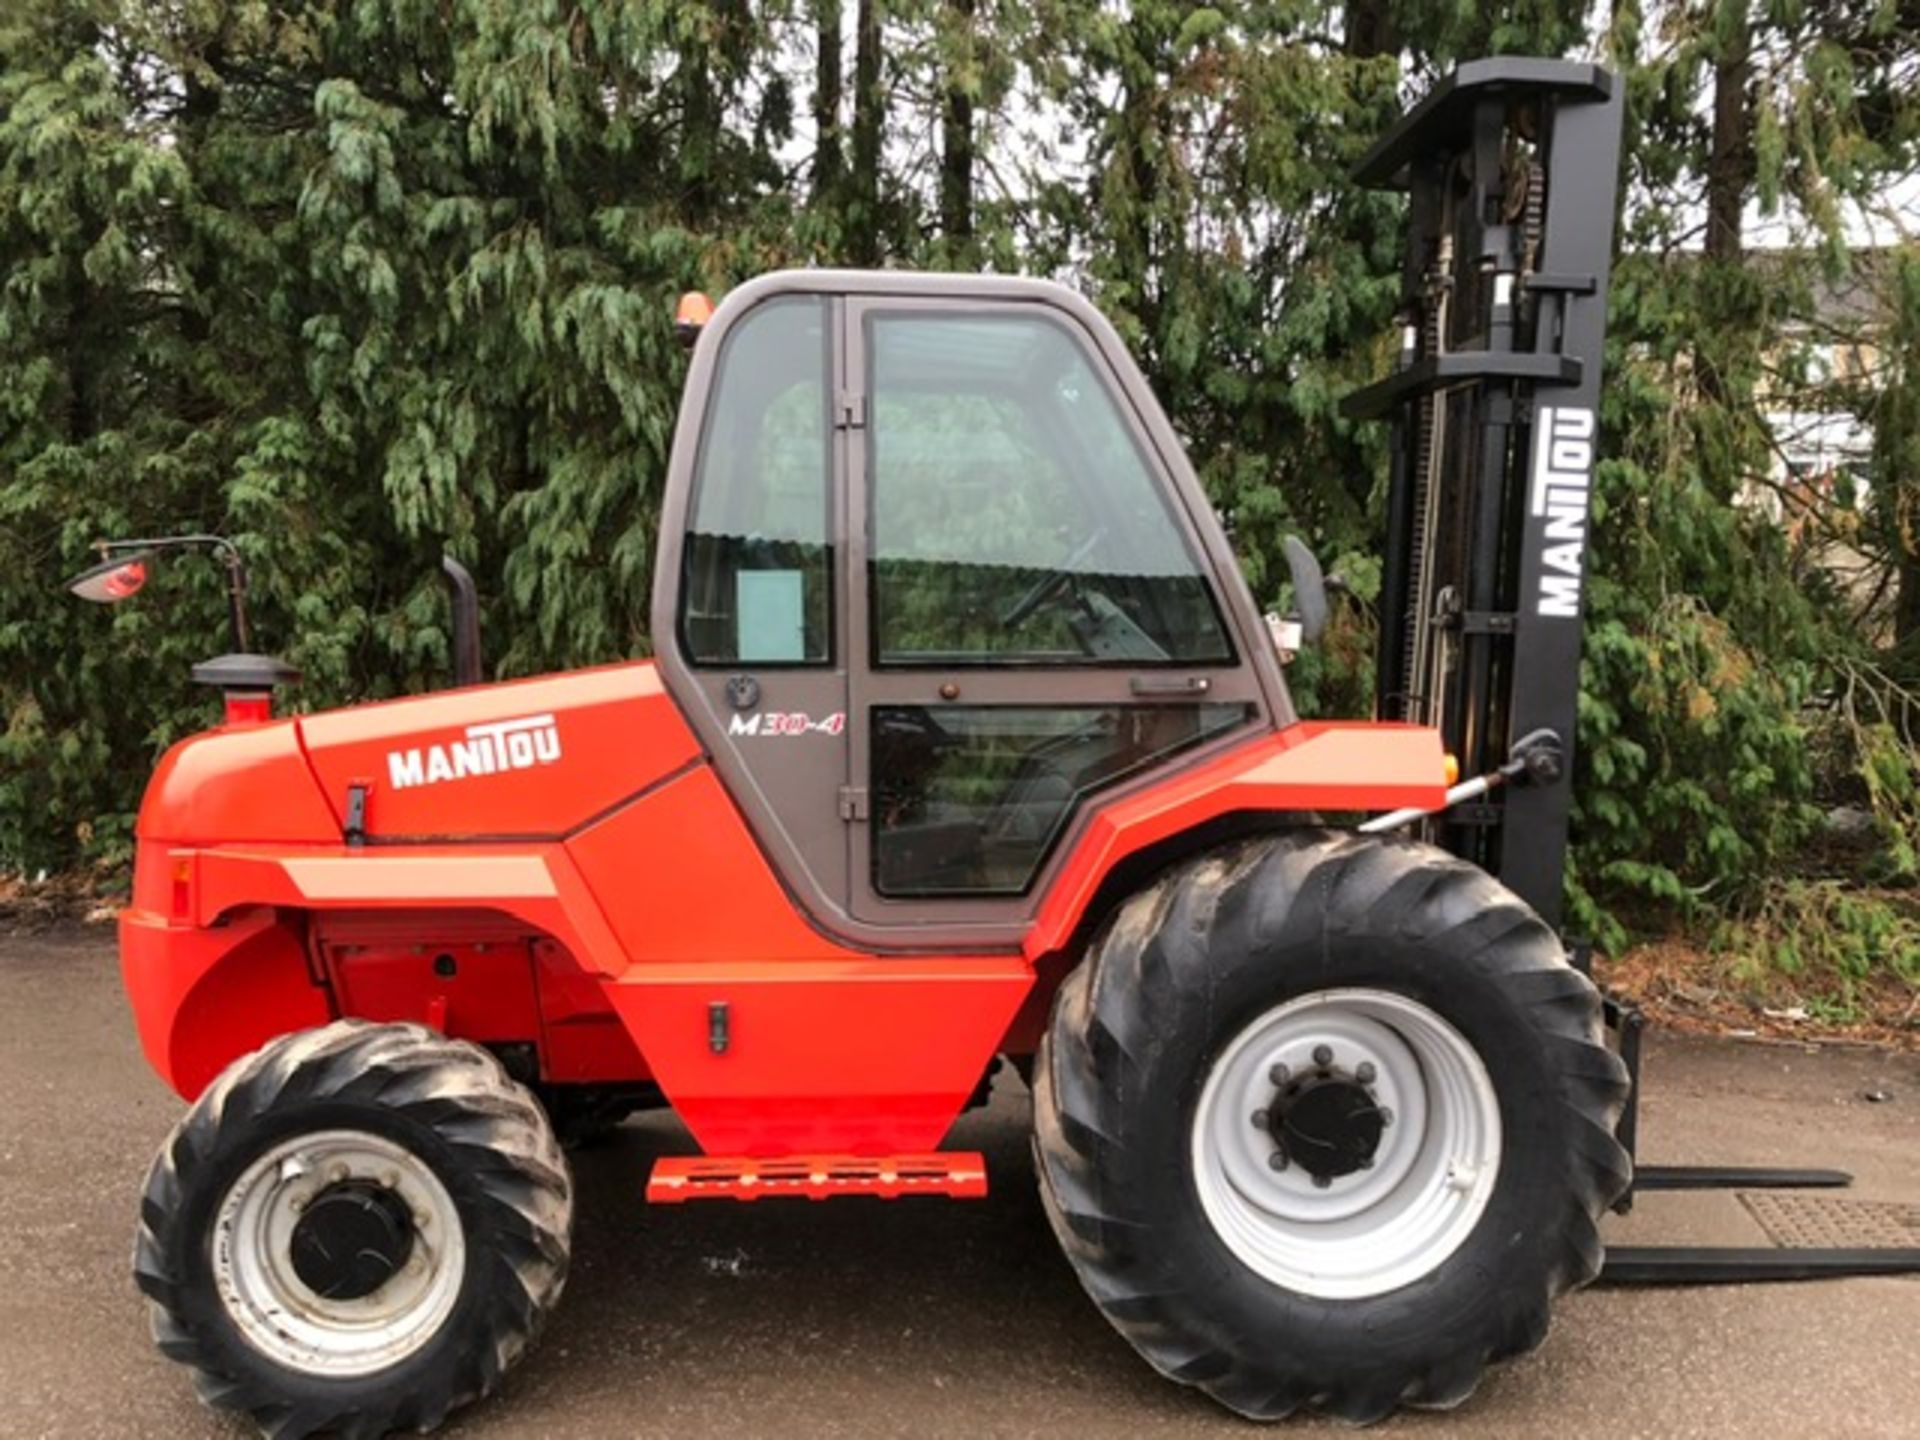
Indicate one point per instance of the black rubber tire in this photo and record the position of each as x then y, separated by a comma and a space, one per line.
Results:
453, 1106
1187, 964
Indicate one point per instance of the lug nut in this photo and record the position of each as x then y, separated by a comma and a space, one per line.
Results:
1364, 1073
1259, 1119
1366, 1162
1278, 1075
1386, 1116
1277, 1160
337, 1174
1323, 1055
420, 1218
1321, 1182
297, 1204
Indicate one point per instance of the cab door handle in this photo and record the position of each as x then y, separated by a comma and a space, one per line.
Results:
1169, 684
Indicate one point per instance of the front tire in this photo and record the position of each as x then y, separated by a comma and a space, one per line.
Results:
1326, 1122
356, 1229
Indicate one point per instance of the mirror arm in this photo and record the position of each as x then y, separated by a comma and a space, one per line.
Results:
464, 602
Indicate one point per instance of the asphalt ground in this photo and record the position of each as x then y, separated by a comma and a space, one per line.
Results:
861, 1318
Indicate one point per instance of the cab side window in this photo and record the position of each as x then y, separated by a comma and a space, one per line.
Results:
758, 565
1014, 518
969, 800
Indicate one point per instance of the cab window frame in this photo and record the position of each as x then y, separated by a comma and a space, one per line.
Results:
833, 543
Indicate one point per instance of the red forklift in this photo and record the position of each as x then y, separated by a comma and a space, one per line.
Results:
964, 739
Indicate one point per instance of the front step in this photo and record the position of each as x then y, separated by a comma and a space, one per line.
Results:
956, 1174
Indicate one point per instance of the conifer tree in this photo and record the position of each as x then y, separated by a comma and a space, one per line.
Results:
361, 281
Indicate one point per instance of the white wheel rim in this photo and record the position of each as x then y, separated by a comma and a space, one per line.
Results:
277, 1312
1432, 1173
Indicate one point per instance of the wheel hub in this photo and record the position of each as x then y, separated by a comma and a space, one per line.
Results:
351, 1239
338, 1252
1327, 1123
1373, 1149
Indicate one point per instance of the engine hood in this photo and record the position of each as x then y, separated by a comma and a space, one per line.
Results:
525, 759
246, 783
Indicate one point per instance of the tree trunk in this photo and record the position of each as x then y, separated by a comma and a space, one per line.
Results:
199, 111
829, 161
1896, 457
1730, 162
1730, 170
83, 402
700, 130
1906, 602
869, 115
1146, 267
956, 136
1370, 30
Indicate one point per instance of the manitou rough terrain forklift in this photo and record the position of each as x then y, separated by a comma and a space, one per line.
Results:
964, 739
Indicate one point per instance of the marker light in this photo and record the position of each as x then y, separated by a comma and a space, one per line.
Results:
182, 887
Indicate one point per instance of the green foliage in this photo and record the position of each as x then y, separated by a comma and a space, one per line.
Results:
1826, 945
357, 282
1703, 646
1870, 733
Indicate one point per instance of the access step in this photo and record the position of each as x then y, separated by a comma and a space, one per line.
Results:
956, 1174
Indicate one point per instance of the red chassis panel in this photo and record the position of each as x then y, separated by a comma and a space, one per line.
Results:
531, 757
1338, 765
660, 919
860, 1057
200, 997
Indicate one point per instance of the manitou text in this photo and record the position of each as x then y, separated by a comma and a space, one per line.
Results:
488, 749
1562, 476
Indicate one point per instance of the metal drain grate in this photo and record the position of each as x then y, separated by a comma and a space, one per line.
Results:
1821, 1222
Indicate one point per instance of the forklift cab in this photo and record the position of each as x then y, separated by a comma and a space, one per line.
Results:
934, 573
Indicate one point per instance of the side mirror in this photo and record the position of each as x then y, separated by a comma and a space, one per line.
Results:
125, 564
247, 681
1309, 588
112, 580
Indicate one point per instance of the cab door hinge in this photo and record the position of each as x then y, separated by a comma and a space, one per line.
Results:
853, 802
850, 411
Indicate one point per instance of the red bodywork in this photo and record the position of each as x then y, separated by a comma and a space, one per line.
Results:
589, 890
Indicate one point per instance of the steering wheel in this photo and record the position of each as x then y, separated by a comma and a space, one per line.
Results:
1045, 587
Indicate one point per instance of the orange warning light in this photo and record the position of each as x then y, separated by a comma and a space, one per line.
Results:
691, 315
1453, 770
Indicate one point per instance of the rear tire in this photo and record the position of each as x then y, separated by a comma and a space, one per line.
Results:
355, 1230
1277, 1259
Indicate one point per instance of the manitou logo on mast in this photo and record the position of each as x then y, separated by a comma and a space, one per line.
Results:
488, 749
1562, 476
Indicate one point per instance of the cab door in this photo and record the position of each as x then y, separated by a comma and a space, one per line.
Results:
1029, 627
758, 638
